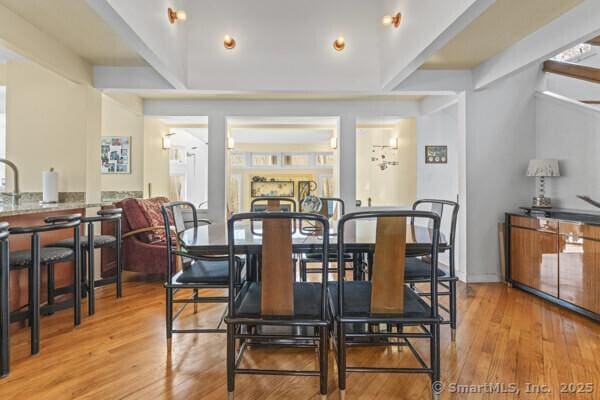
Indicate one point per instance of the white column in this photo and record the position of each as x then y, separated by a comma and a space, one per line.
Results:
216, 166
347, 154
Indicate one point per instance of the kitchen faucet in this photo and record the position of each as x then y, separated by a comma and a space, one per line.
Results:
16, 194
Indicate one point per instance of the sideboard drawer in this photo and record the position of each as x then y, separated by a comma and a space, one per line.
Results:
539, 224
579, 230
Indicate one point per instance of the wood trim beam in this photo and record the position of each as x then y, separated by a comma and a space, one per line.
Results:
582, 72
590, 101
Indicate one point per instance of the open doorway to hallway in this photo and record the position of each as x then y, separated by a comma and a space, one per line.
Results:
281, 157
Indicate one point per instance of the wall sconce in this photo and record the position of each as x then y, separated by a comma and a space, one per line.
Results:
394, 143
339, 44
229, 42
230, 143
166, 141
333, 143
390, 20
176, 15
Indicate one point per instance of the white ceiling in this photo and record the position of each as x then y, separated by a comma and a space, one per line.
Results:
78, 27
503, 24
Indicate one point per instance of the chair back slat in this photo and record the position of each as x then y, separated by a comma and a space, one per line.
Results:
387, 293
277, 291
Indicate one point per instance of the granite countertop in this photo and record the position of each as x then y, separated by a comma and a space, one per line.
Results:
35, 207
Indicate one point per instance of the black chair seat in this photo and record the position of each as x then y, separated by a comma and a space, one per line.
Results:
99, 241
417, 269
204, 272
48, 255
357, 301
332, 257
307, 301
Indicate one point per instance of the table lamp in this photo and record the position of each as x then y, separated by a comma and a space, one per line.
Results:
542, 168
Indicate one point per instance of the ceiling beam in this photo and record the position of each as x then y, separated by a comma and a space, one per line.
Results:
21, 37
136, 34
577, 25
576, 71
129, 78
413, 61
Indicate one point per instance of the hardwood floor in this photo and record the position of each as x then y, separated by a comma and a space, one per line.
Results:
504, 336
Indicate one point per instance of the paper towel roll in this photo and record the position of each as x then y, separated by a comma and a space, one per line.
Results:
50, 186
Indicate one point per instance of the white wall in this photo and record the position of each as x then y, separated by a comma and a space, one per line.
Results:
571, 134
500, 140
156, 159
283, 46
124, 120
441, 181
438, 180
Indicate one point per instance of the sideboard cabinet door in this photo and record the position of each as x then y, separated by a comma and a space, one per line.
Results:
534, 259
579, 278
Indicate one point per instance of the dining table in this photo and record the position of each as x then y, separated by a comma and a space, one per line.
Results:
359, 237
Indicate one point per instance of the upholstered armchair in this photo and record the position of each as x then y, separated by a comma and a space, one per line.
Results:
144, 245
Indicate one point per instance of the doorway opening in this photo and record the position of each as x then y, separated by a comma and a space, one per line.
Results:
289, 157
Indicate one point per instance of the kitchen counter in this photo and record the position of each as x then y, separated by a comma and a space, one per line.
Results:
7, 209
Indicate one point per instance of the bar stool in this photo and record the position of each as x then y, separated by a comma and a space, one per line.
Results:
36, 256
91, 241
4, 308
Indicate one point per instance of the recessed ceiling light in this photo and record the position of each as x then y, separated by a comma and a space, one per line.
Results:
339, 44
176, 15
229, 42
390, 20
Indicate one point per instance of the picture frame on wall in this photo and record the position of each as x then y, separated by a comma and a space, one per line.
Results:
115, 155
436, 154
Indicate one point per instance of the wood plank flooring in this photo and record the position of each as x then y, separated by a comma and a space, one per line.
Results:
505, 336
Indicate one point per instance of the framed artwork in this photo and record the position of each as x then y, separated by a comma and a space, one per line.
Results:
115, 155
436, 154
272, 189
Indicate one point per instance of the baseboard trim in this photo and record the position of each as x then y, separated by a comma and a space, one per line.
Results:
484, 278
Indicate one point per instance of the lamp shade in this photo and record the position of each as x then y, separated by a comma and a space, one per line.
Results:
543, 167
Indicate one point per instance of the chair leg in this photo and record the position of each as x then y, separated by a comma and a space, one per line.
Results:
230, 360
34, 295
4, 313
51, 284
169, 313
341, 356
453, 310
324, 358
303, 274
91, 284
435, 360
196, 300
119, 264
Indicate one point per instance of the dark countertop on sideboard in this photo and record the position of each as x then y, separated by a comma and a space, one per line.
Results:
584, 216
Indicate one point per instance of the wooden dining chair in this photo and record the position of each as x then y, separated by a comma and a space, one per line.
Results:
333, 208
196, 273
417, 268
277, 310
357, 306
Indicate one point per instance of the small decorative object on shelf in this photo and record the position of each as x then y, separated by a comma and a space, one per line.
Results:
542, 168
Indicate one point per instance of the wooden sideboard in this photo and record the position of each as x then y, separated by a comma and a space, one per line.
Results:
556, 255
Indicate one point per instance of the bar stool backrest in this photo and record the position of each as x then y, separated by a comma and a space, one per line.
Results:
277, 273
53, 223
387, 285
